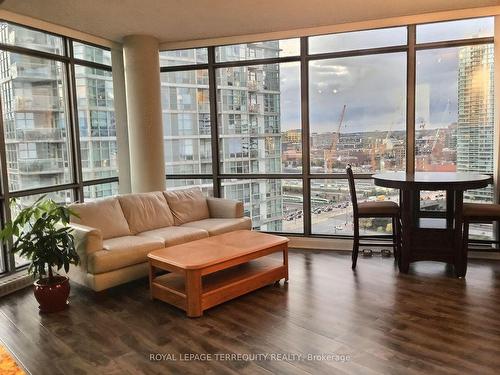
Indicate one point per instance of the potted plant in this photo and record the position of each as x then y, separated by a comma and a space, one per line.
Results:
41, 234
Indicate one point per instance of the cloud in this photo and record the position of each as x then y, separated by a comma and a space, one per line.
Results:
374, 89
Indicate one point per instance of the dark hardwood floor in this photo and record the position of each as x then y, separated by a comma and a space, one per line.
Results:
386, 322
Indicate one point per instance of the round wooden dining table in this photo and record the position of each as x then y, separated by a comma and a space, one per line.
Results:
434, 235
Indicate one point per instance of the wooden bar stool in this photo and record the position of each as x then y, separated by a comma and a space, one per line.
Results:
476, 213
385, 209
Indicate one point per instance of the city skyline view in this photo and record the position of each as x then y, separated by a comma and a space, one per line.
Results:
357, 109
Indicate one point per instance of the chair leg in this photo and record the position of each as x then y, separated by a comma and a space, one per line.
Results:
355, 245
398, 240
465, 249
394, 237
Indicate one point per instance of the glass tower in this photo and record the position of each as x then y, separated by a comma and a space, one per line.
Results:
248, 110
475, 114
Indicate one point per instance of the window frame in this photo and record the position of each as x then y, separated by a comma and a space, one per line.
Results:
410, 48
77, 184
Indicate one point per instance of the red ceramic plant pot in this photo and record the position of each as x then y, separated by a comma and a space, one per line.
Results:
53, 296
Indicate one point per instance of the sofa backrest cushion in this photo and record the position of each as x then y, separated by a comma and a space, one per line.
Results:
187, 205
146, 211
103, 214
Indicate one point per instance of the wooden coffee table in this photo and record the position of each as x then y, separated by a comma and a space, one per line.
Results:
213, 270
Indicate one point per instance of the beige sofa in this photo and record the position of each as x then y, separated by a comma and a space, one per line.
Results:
114, 235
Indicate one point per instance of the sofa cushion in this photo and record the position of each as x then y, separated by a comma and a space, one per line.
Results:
146, 211
122, 252
187, 205
175, 235
219, 226
223, 208
103, 214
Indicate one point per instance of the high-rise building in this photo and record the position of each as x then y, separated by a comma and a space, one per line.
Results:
36, 116
475, 114
250, 137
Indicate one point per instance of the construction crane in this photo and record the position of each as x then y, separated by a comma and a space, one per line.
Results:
330, 154
436, 140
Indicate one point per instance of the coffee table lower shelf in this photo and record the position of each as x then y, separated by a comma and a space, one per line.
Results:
218, 287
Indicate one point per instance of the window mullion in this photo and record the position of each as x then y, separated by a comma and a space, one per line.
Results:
306, 163
212, 92
410, 100
74, 151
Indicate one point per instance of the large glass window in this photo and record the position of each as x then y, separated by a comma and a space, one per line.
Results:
357, 40
205, 184
93, 192
34, 107
274, 205
258, 50
184, 57
19, 36
186, 122
96, 120
259, 119
331, 208
39, 124
357, 106
91, 53
454, 111
455, 119
452, 30
358, 113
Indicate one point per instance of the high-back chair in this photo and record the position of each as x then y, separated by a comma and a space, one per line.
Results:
385, 209
476, 213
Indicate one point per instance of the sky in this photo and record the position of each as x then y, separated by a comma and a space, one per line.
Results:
373, 87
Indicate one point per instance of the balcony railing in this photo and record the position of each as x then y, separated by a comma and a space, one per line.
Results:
42, 165
40, 134
39, 103
34, 71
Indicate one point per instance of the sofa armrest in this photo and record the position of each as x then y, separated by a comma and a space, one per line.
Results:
87, 240
225, 208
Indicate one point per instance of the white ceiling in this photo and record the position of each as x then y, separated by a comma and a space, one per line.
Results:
183, 20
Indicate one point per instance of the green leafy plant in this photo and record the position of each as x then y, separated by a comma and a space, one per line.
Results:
41, 234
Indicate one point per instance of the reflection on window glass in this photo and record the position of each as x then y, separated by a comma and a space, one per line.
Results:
258, 50
452, 30
206, 185
358, 40
62, 197
96, 120
186, 122
19, 36
454, 112
259, 118
274, 205
184, 57
93, 192
358, 113
331, 208
33, 93
454, 120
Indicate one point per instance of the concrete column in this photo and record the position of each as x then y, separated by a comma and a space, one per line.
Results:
145, 130
120, 102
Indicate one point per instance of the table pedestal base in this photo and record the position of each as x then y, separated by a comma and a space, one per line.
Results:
424, 242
